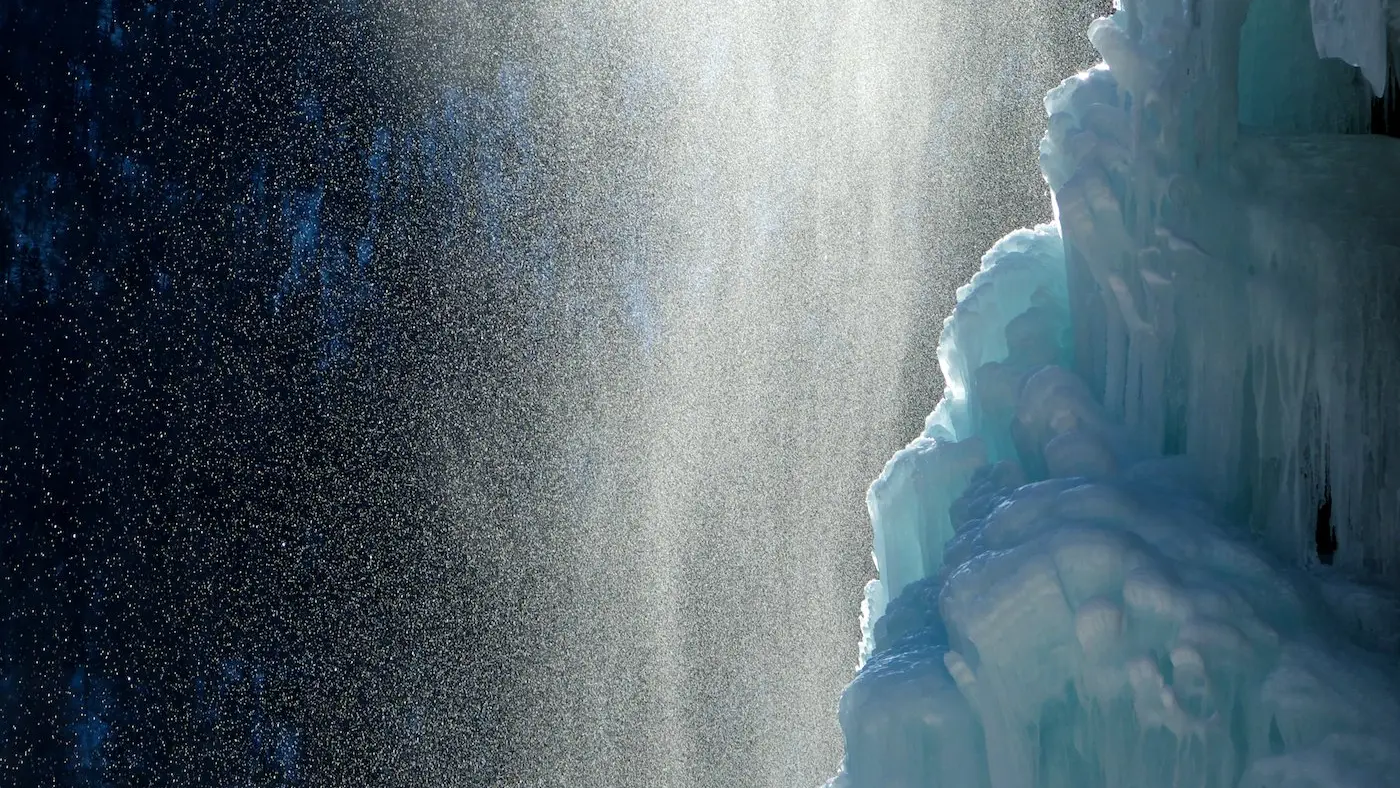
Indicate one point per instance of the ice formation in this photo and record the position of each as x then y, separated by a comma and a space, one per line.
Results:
1149, 537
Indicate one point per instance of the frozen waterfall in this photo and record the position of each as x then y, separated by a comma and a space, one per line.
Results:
1149, 536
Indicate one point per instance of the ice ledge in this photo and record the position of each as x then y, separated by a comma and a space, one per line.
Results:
1355, 32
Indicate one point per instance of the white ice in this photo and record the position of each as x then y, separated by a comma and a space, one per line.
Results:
1353, 31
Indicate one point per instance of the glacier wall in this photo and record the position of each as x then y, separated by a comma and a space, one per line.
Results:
1149, 535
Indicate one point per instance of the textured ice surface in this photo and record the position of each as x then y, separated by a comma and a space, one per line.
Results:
1100, 564
1009, 320
1112, 629
1234, 293
1107, 626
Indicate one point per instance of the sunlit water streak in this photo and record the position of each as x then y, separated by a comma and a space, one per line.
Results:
769, 186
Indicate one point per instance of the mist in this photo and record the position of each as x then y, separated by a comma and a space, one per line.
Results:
764, 213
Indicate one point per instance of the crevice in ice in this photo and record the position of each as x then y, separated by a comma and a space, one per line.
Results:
1324, 535
1385, 110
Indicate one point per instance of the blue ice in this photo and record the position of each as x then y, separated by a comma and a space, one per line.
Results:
1100, 564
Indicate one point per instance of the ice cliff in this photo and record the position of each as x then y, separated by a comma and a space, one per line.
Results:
1149, 537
